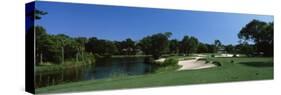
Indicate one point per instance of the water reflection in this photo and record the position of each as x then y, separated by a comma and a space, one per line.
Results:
104, 68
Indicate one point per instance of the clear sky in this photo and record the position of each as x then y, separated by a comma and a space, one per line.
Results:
119, 23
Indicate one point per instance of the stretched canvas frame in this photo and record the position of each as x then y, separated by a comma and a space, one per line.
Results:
156, 56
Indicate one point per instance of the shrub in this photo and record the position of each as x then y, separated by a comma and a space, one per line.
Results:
170, 64
217, 63
212, 55
202, 59
231, 61
170, 61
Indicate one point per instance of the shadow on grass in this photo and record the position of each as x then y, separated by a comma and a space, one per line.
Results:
258, 64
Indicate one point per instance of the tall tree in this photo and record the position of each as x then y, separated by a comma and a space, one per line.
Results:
40, 33
261, 33
41, 42
202, 48
62, 41
245, 48
230, 49
174, 46
193, 44
217, 44
81, 41
127, 47
189, 45
101, 47
156, 44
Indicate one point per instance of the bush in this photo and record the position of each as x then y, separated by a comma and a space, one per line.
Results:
212, 55
170, 64
217, 63
231, 61
202, 59
170, 61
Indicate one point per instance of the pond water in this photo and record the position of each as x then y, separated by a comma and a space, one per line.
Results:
104, 68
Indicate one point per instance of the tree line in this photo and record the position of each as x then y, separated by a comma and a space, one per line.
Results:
256, 38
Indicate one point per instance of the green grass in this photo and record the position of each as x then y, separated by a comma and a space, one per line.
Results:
240, 69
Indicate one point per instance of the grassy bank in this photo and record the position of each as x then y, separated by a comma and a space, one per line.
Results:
232, 69
45, 67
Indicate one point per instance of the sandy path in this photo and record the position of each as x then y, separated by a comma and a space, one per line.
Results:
194, 64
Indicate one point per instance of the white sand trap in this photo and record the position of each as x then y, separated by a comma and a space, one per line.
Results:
226, 55
194, 64
200, 55
161, 60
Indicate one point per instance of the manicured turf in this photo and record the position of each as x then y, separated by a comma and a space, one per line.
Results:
232, 69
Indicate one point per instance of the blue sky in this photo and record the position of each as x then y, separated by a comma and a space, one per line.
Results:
119, 23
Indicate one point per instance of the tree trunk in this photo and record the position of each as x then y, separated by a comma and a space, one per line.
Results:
62, 54
77, 57
41, 58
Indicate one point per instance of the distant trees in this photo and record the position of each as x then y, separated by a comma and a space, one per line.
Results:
81, 41
101, 47
155, 45
188, 45
202, 48
42, 42
217, 44
211, 48
230, 48
54, 48
174, 46
126, 47
245, 48
261, 33
60, 47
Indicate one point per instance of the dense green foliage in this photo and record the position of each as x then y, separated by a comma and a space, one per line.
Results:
155, 45
101, 47
261, 33
126, 47
230, 49
189, 45
202, 48
58, 48
170, 61
174, 46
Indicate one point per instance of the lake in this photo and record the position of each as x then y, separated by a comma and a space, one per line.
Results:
104, 68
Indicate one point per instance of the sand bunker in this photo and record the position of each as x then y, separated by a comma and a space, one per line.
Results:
160, 60
194, 64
